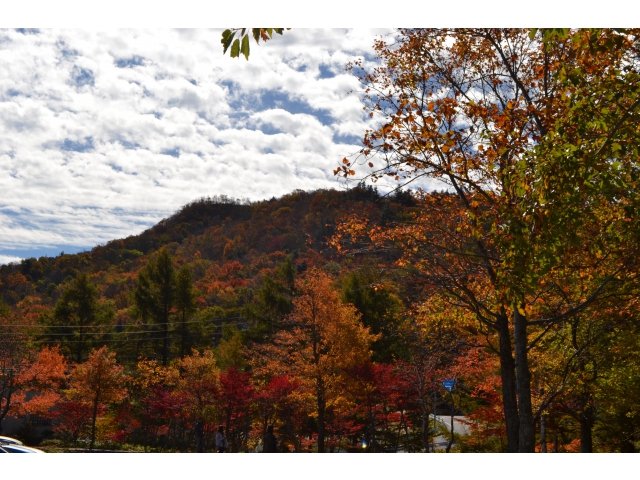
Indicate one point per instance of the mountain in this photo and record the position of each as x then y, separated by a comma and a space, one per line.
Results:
236, 252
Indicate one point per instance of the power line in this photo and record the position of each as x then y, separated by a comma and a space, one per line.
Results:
88, 333
191, 335
130, 325
108, 333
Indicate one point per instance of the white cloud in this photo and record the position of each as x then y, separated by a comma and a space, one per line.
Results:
104, 133
5, 259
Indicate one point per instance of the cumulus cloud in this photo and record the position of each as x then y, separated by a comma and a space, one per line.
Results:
103, 133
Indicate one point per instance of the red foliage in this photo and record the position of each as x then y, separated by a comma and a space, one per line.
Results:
75, 418
236, 395
126, 424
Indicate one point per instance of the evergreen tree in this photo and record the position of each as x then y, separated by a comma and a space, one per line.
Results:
379, 308
75, 313
185, 304
155, 295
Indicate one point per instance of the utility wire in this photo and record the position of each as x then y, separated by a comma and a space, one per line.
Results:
89, 340
191, 335
124, 332
129, 325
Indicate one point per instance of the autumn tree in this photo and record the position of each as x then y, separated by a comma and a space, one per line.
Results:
74, 419
148, 387
40, 381
467, 108
433, 336
97, 381
364, 384
13, 358
200, 381
30, 381
281, 400
29, 378
235, 398
322, 339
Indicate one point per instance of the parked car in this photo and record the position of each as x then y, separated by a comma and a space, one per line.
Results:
18, 449
9, 441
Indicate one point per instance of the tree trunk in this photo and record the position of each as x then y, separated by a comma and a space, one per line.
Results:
507, 371
372, 427
425, 425
93, 424
7, 404
289, 430
543, 435
586, 427
526, 439
321, 410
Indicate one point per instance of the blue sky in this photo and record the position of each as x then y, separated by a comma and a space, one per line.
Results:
103, 133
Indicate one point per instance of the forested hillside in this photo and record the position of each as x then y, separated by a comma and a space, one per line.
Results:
248, 315
219, 275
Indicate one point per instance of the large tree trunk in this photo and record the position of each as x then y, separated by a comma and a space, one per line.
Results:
526, 440
507, 371
586, 427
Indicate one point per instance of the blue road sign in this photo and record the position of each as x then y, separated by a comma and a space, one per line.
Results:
449, 384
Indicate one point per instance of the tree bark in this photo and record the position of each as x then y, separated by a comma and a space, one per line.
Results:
425, 416
93, 424
543, 435
372, 431
321, 410
5, 410
526, 439
586, 428
507, 371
